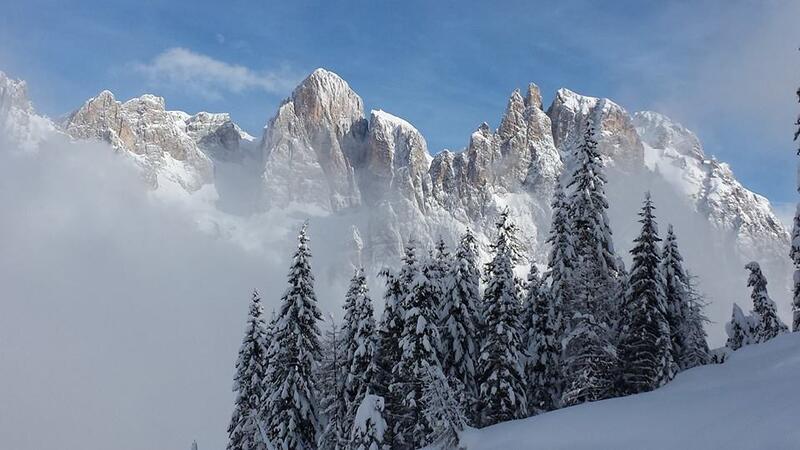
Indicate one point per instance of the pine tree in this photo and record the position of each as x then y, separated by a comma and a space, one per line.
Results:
542, 368
769, 324
370, 431
502, 387
794, 251
388, 351
292, 408
590, 364
243, 431
560, 264
599, 267
330, 376
677, 297
440, 271
646, 349
696, 351
360, 345
461, 322
418, 344
741, 329
443, 409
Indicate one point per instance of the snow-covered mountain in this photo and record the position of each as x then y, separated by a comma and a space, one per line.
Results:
323, 155
18, 121
171, 145
675, 153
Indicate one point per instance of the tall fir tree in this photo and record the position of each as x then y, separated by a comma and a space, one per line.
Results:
502, 386
696, 351
292, 407
560, 263
590, 361
646, 348
794, 251
599, 267
769, 324
461, 321
388, 350
741, 329
244, 432
329, 380
541, 337
677, 297
360, 345
418, 345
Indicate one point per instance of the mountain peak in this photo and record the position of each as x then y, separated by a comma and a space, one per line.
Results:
324, 94
13, 93
533, 98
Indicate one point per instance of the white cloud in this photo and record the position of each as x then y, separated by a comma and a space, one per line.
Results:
210, 77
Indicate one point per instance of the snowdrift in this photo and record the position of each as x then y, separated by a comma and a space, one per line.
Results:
750, 402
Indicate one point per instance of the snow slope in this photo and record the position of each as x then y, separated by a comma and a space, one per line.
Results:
750, 402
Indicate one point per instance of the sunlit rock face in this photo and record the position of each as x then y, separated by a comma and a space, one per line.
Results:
171, 145
615, 132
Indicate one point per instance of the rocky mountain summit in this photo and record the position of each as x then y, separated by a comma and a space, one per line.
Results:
19, 124
321, 154
172, 145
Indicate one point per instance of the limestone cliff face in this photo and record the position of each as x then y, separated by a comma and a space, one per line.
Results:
614, 129
171, 145
309, 143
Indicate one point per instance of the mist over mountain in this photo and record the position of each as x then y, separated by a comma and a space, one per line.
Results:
370, 181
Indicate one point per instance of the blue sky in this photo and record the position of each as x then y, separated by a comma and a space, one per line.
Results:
726, 69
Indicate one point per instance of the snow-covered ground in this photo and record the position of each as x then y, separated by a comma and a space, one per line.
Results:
750, 402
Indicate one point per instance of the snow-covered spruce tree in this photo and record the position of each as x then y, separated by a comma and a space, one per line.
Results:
676, 296
591, 231
370, 431
590, 363
560, 263
696, 351
389, 333
542, 366
360, 345
502, 385
243, 431
443, 409
418, 345
329, 380
795, 255
461, 322
292, 408
441, 269
769, 324
741, 329
794, 251
646, 347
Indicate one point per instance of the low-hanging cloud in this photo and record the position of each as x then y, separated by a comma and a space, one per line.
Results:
211, 77
120, 319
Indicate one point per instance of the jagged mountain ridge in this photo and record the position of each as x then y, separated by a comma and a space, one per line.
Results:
173, 144
322, 153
